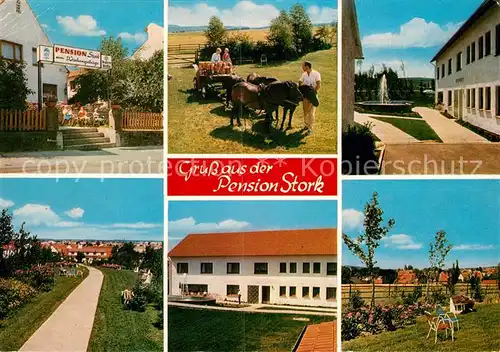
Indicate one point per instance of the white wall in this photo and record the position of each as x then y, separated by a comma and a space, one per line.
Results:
24, 29
218, 281
481, 73
153, 44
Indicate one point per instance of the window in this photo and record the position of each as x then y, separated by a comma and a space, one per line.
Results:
459, 61
487, 43
197, 288
481, 99
497, 39
331, 268
11, 51
449, 66
440, 97
480, 47
18, 6
282, 267
473, 98
437, 72
497, 100
331, 293
293, 291
207, 268
232, 290
316, 291
182, 268
467, 97
449, 98
293, 268
305, 292
467, 55
260, 268
34, 57
442, 71
233, 268
306, 268
282, 291
316, 268
487, 96
473, 52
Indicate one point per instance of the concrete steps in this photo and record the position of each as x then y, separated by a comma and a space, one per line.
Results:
85, 139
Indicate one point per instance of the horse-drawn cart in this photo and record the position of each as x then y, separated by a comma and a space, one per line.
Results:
210, 77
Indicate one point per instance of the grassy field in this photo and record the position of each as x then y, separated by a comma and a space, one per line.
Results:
117, 329
415, 128
478, 332
202, 126
18, 328
208, 330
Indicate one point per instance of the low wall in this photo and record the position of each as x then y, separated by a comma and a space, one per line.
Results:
140, 138
27, 141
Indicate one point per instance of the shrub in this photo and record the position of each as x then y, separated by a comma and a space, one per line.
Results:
13, 294
438, 297
358, 150
355, 301
41, 277
412, 297
140, 299
475, 285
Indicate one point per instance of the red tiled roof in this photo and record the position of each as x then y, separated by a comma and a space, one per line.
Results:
406, 277
319, 338
258, 243
443, 277
489, 282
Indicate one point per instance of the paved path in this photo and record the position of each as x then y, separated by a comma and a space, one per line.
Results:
447, 129
69, 327
386, 132
139, 160
441, 159
254, 308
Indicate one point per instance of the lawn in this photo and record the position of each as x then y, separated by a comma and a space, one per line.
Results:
117, 329
478, 332
202, 126
209, 330
18, 328
419, 129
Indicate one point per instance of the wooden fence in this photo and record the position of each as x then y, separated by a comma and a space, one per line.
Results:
142, 121
386, 291
183, 54
18, 120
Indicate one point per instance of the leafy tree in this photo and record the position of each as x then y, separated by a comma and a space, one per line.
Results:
216, 32
438, 250
280, 31
14, 89
80, 257
373, 232
346, 275
475, 285
324, 33
302, 28
125, 255
453, 275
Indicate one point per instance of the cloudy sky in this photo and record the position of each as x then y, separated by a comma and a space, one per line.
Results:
187, 217
469, 212
130, 209
255, 13
410, 31
82, 23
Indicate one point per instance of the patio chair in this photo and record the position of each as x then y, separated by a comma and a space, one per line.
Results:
438, 324
456, 308
450, 317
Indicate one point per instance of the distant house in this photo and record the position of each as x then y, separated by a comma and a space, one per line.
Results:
153, 44
91, 253
351, 50
489, 282
20, 36
489, 271
296, 267
468, 69
406, 277
443, 277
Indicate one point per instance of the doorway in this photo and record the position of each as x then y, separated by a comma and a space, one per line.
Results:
253, 294
266, 294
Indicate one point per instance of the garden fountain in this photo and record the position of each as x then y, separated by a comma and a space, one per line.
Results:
384, 105
185, 297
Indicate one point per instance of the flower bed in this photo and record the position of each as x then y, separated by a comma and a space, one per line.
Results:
364, 321
13, 293
40, 277
111, 266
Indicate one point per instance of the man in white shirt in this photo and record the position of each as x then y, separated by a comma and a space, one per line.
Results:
216, 60
311, 78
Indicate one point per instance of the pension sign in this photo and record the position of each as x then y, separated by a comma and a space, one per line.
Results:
66, 55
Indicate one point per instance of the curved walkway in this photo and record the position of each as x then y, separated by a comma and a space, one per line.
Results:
447, 129
386, 132
70, 326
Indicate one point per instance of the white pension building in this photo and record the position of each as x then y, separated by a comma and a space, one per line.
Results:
294, 267
20, 36
468, 70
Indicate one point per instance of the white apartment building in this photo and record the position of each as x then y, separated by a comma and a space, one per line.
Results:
295, 267
153, 44
468, 69
20, 36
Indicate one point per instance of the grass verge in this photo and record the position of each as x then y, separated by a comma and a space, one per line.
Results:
478, 332
117, 329
418, 129
492, 137
209, 330
202, 126
18, 328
